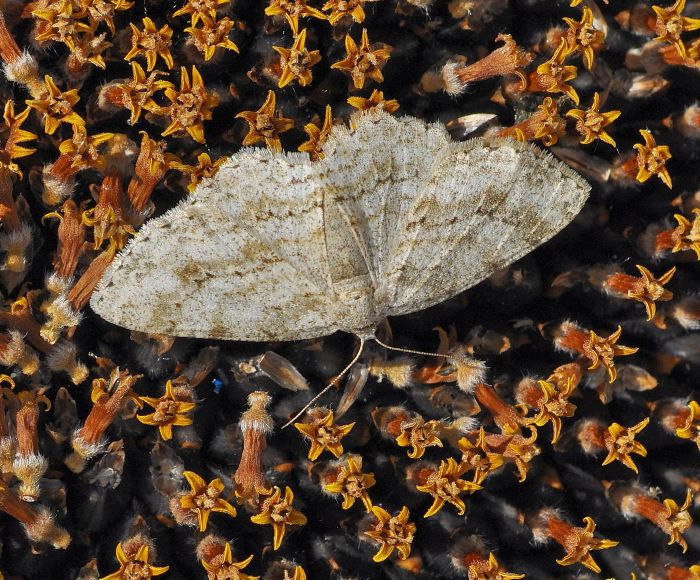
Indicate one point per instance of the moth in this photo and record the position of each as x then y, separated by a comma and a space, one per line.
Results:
395, 218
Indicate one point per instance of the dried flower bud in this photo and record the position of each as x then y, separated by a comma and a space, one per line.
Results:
468, 555
507, 60
599, 351
398, 371
151, 165
647, 289
255, 425
71, 239
578, 542
88, 441
59, 316
637, 502
506, 417
686, 312
63, 358
15, 352
29, 465
19, 67
38, 524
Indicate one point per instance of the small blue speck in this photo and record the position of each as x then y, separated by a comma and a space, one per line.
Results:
217, 385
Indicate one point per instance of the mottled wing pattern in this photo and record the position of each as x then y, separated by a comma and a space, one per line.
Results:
481, 208
230, 262
372, 172
278, 199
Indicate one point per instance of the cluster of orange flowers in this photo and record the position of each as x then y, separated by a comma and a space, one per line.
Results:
41, 323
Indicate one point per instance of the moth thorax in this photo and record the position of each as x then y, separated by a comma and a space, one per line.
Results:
356, 295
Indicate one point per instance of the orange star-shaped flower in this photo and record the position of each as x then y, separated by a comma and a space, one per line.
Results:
591, 123
135, 566
392, 533
687, 235
578, 543
152, 43
223, 566
600, 351
16, 135
553, 76
171, 410
691, 426
352, 484
278, 513
677, 520
417, 433
136, 93
374, 102
546, 124
56, 22
446, 485
670, 24
345, 9
651, 159
198, 9
204, 499
668, 516
317, 136
98, 11
323, 434
205, 168
83, 149
647, 289
620, 442
296, 62
190, 106
292, 10
584, 37
266, 124
56, 106
519, 450
554, 405
479, 456
212, 34
480, 569
363, 62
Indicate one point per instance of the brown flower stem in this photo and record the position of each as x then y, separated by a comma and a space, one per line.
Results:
9, 51
151, 165
71, 240
79, 295
26, 421
504, 415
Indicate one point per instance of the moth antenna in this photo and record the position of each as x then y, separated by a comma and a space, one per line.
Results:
419, 352
329, 385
